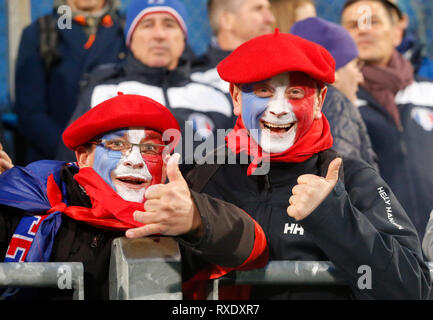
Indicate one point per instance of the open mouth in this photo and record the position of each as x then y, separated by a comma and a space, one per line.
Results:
277, 128
132, 182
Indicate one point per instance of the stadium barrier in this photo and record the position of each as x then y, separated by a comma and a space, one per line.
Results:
150, 269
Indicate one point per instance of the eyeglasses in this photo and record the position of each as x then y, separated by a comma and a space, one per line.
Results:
123, 145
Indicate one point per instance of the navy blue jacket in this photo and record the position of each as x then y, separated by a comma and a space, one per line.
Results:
45, 102
405, 154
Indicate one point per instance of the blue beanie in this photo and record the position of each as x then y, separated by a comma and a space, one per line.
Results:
140, 8
329, 35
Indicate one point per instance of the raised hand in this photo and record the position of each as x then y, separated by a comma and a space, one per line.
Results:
5, 161
169, 208
311, 190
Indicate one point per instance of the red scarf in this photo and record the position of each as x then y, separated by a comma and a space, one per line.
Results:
109, 210
318, 138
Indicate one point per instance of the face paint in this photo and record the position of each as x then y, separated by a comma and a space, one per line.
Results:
304, 108
280, 110
129, 172
252, 111
106, 160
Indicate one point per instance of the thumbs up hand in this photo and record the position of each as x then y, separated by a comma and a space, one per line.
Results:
311, 190
169, 207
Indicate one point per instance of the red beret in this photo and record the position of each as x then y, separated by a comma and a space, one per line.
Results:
119, 112
266, 56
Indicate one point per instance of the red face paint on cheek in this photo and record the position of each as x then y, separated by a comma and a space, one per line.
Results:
154, 165
303, 107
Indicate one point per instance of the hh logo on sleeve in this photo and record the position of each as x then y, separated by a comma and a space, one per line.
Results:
293, 228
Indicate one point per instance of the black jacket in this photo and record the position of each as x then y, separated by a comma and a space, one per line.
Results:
77, 241
360, 223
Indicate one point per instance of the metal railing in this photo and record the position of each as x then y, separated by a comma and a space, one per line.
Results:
150, 269
44, 274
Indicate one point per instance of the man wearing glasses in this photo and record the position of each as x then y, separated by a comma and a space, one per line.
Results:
115, 188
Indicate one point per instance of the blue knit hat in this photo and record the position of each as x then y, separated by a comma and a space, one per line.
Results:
329, 35
140, 8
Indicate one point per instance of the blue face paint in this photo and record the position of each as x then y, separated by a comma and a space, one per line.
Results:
253, 108
107, 160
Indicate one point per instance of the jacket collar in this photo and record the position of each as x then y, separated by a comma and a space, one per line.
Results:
157, 76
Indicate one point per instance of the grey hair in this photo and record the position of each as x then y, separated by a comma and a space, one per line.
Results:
216, 7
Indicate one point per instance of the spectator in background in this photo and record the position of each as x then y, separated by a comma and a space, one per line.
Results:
51, 60
396, 107
412, 48
156, 37
350, 136
233, 22
288, 12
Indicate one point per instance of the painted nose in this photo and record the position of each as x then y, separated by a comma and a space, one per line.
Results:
278, 113
134, 159
133, 165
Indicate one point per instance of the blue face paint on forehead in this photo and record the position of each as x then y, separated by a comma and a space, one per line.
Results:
106, 160
253, 108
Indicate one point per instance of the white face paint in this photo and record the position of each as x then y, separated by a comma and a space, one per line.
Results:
277, 118
131, 177
281, 110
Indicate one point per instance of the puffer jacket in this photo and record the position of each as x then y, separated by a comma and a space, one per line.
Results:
348, 128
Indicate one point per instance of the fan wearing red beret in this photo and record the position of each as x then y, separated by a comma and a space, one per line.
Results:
288, 178
127, 132
279, 99
124, 183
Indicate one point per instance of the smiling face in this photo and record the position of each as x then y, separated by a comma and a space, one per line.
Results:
129, 171
375, 32
158, 41
279, 111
